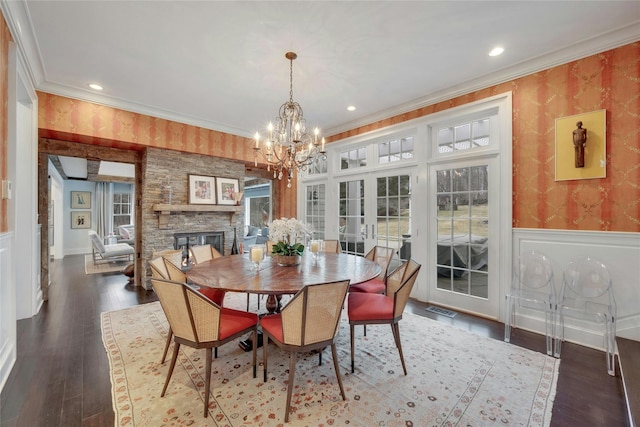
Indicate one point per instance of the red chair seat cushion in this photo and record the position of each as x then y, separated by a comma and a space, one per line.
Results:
234, 321
273, 325
373, 286
363, 306
215, 295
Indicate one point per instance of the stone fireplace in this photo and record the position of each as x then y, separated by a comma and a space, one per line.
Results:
185, 240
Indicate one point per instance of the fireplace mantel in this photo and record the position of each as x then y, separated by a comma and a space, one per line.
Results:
164, 210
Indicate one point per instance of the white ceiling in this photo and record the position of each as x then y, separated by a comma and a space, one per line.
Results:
221, 65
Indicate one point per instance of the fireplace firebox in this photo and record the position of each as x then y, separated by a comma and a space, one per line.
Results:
185, 240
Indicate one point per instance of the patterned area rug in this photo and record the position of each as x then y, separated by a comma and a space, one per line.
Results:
104, 266
455, 378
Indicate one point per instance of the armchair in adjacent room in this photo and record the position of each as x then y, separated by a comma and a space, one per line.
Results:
102, 252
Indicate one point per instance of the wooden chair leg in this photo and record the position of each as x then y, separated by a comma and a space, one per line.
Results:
176, 347
337, 368
265, 344
255, 350
166, 346
351, 327
395, 328
207, 383
292, 375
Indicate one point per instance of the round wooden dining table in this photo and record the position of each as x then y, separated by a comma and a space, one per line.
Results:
236, 273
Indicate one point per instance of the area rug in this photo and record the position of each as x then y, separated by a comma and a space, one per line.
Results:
455, 378
103, 266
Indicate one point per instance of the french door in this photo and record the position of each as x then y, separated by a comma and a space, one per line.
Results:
463, 244
375, 209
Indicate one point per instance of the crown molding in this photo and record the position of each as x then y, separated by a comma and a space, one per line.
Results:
601, 43
18, 20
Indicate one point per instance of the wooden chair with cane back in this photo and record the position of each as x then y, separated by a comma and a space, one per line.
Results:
198, 322
310, 321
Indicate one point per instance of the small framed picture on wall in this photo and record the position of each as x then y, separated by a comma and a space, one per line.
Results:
227, 188
81, 200
80, 219
202, 190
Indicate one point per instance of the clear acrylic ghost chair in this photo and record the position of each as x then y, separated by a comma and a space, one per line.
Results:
532, 287
586, 294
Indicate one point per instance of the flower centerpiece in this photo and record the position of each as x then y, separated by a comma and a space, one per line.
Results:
287, 233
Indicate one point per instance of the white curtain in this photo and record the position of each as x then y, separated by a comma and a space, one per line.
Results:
103, 208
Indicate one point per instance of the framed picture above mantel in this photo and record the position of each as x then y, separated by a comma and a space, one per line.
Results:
202, 190
227, 189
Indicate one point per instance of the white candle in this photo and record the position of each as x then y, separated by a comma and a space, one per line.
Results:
257, 254
315, 246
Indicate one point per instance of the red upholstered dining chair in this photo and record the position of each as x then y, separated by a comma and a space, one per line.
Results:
198, 322
382, 256
308, 322
368, 309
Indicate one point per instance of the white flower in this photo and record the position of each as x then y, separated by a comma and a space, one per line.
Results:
289, 230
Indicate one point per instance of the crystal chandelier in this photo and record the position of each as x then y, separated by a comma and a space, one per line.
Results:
288, 146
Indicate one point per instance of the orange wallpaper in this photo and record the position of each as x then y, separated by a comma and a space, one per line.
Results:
611, 81
94, 123
5, 38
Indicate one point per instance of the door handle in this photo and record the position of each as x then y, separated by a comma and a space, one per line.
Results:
373, 231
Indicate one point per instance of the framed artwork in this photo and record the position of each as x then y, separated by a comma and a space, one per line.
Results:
81, 200
80, 219
227, 188
202, 190
581, 146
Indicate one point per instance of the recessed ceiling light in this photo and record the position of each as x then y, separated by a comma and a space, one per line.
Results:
351, 108
496, 51
95, 86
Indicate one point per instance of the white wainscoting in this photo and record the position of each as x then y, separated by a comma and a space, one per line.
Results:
620, 252
7, 309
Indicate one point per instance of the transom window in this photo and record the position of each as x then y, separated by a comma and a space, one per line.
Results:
356, 158
462, 137
317, 167
395, 150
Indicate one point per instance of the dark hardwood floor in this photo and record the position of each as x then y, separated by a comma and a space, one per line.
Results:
61, 377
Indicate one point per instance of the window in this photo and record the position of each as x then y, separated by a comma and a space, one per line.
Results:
393, 151
466, 136
317, 167
121, 209
315, 207
352, 159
